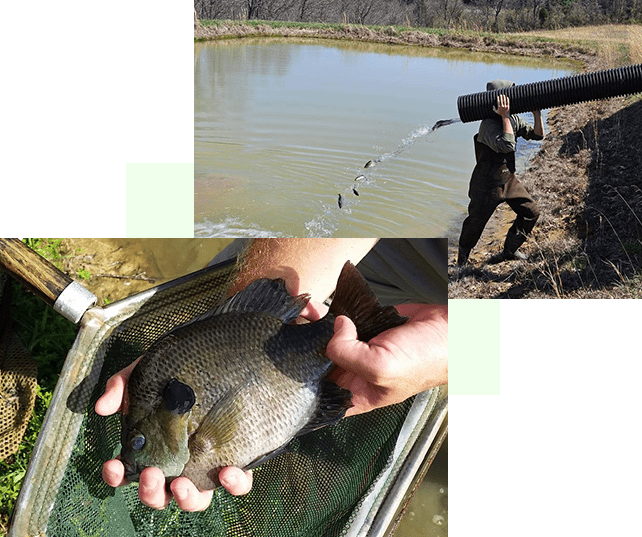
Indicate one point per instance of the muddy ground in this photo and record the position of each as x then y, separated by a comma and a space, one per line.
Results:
586, 179
117, 268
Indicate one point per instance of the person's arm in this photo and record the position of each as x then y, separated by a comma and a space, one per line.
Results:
499, 135
503, 110
307, 265
538, 127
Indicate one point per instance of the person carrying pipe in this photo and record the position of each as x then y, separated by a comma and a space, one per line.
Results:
493, 180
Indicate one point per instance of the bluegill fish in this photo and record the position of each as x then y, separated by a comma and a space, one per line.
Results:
236, 384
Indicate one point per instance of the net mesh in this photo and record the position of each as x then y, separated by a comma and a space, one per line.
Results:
17, 381
309, 491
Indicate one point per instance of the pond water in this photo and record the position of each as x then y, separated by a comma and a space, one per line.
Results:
283, 127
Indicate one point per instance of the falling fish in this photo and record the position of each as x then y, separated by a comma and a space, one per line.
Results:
370, 163
340, 201
236, 384
444, 122
360, 177
354, 189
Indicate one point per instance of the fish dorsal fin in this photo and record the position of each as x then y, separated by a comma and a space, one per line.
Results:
220, 423
267, 296
260, 296
332, 406
354, 298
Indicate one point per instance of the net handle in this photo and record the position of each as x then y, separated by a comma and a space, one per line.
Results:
51, 285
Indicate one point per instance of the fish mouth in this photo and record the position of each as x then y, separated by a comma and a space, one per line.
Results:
131, 471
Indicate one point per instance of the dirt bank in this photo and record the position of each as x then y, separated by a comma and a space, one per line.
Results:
587, 244
586, 177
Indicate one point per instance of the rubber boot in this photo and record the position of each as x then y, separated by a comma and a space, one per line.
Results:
512, 243
462, 256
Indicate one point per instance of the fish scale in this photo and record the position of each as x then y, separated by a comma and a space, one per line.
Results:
247, 382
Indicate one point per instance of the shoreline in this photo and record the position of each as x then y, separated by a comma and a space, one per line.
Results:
586, 244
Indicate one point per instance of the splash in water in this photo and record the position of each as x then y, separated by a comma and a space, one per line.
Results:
325, 223
406, 143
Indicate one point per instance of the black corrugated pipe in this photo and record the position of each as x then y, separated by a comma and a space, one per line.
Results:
556, 92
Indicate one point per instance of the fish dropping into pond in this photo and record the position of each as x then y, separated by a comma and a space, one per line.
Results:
340, 201
233, 386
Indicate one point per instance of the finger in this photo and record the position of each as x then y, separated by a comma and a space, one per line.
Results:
111, 401
313, 311
188, 497
236, 481
151, 489
114, 473
346, 351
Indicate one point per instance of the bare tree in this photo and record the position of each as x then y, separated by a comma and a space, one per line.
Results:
498, 8
253, 8
451, 11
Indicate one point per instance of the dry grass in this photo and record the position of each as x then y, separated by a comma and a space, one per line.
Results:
613, 40
586, 180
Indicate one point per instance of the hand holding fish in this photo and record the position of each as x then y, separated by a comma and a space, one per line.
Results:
152, 491
200, 403
395, 364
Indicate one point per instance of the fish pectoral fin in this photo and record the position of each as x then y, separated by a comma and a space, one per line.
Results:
332, 406
221, 423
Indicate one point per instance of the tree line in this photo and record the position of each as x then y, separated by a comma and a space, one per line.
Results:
489, 15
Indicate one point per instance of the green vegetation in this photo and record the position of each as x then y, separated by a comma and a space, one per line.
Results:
48, 337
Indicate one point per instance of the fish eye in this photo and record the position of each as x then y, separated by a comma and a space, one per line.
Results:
137, 441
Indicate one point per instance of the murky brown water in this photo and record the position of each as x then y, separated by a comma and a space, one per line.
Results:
282, 127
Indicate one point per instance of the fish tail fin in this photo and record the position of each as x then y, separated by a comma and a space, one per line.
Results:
354, 298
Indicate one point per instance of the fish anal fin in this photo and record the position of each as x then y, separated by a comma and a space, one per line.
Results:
332, 406
264, 458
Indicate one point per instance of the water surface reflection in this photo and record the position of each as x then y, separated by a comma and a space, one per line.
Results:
284, 126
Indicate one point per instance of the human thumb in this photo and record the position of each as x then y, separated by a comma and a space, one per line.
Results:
345, 349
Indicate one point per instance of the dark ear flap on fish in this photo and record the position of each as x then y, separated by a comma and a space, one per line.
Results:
178, 398
354, 298
333, 403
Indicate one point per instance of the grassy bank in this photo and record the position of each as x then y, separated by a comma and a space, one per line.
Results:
522, 44
585, 178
